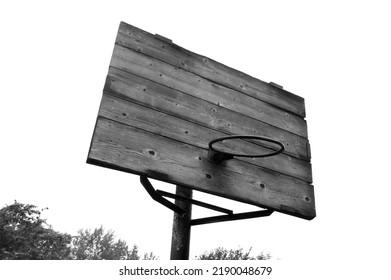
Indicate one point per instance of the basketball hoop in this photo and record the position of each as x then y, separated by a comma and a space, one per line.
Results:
218, 156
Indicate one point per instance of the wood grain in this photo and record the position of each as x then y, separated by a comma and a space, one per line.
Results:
177, 103
163, 73
147, 43
172, 127
137, 151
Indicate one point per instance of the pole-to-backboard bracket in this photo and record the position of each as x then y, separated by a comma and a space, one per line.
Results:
158, 197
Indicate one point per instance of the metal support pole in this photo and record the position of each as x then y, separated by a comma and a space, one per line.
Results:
181, 228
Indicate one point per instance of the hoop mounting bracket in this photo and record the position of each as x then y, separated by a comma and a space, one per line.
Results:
218, 156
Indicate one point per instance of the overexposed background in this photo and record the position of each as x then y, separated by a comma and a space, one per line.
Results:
54, 57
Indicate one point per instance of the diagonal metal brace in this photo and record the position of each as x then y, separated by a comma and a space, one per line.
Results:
233, 217
158, 197
195, 202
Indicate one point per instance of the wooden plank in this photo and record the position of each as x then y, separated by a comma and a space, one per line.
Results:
157, 122
145, 42
196, 110
136, 151
155, 70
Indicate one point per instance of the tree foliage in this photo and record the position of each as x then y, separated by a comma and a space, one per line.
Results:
101, 245
24, 235
231, 254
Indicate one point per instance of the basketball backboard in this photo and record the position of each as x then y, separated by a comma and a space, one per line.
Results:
163, 104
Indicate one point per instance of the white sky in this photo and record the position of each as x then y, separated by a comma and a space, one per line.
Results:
53, 63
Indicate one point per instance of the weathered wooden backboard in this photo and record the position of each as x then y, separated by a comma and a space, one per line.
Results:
163, 104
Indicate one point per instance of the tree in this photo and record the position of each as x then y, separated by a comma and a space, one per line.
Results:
225, 254
101, 245
25, 236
